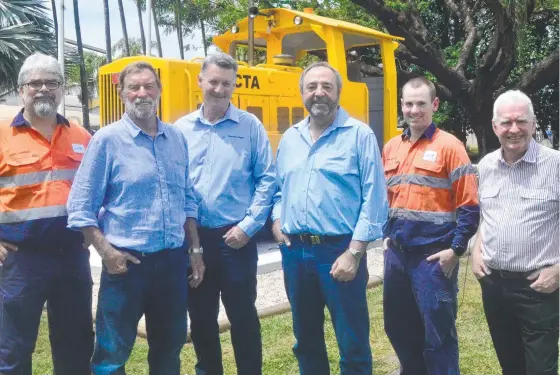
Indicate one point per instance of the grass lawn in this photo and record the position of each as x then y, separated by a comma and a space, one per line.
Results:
476, 350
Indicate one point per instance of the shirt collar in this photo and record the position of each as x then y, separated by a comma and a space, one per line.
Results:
135, 129
232, 114
341, 120
530, 155
19, 120
428, 133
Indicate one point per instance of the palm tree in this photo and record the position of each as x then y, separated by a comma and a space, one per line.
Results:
139, 4
156, 26
25, 28
124, 31
83, 76
55, 19
177, 12
107, 30
135, 44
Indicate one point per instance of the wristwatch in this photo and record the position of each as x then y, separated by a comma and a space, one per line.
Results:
195, 250
357, 254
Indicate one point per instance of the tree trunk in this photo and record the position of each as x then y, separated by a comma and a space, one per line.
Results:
203, 36
123, 24
141, 23
178, 27
83, 77
481, 123
55, 21
107, 30
156, 26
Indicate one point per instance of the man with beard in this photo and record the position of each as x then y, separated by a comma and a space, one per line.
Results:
233, 176
433, 214
331, 202
41, 260
133, 200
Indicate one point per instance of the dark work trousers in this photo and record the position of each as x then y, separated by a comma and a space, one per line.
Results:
310, 288
523, 324
233, 274
156, 288
420, 309
28, 279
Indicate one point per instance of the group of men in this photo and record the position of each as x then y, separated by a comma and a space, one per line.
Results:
173, 210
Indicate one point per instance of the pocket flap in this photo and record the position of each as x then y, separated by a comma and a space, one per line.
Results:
489, 192
431, 166
538, 194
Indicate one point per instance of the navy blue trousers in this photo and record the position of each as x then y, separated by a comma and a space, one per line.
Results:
28, 279
232, 274
156, 288
420, 309
310, 288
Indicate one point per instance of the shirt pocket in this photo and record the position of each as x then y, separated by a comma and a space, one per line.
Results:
336, 162
539, 200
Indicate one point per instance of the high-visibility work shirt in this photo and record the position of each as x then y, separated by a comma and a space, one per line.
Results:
35, 180
432, 191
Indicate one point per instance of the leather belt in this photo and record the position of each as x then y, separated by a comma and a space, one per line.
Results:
511, 274
317, 239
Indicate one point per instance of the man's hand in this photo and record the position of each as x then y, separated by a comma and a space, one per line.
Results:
236, 238
278, 235
115, 260
198, 268
545, 279
345, 267
447, 260
4, 248
479, 268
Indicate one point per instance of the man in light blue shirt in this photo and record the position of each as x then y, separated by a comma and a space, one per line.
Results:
331, 202
234, 180
133, 200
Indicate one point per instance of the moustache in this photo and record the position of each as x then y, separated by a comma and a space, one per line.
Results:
43, 97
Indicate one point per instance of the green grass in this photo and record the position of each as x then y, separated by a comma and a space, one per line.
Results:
476, 350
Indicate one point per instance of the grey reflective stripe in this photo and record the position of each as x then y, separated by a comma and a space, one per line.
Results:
418, 179
37, 178
32, 214
434, 217
461, 171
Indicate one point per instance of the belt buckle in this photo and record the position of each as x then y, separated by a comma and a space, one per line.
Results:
315, 240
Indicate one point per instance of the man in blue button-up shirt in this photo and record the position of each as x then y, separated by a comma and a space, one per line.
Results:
133, 200
332, 201
234, 180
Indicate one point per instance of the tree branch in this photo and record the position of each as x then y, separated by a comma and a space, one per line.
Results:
540, 75
471, 39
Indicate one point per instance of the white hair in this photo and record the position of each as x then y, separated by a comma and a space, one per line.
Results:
39, 62
510, 97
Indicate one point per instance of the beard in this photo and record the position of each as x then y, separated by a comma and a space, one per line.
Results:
44, 106
141, 108
323, 107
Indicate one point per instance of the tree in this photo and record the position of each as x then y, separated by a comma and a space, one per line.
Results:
135, 45
107, 29
83, 77
177, 14
475, 58
156, 26
125, 33
55, 19
139, 6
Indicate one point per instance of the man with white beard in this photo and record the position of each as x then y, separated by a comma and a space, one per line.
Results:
41, 259
133, 200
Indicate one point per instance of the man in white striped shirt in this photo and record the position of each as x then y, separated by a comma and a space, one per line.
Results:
517, 252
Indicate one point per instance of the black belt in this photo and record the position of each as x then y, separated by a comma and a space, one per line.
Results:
395, 245
205, 231
511, 274
317, 239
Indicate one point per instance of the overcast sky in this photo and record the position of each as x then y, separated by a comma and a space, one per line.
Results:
93, 26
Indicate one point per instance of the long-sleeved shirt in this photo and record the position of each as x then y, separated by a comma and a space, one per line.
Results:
231, 168
334, 186
520, 206
134, 187
432, 191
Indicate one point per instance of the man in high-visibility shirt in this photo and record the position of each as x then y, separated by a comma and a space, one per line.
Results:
433, 212
42, 260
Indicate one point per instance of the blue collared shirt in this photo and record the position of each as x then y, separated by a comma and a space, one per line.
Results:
135, 188
333, 186
231, 168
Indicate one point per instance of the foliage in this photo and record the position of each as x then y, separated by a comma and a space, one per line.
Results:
135, 45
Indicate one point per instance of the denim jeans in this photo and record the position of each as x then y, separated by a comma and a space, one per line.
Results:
156, 288
310, 288
62, 278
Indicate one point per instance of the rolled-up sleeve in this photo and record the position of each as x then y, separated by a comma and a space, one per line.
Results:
264, 176
374, 206
89, 186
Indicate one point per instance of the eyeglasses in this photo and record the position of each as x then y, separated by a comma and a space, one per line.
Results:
38, 85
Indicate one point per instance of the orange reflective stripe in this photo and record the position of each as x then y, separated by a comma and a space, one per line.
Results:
19, 216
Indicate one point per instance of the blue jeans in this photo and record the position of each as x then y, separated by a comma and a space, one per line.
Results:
232, 274
310, 287
157, 288
62, 278
420, 308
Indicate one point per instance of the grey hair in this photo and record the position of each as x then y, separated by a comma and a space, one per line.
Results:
320, 64
39, 62
221, 60
513, 96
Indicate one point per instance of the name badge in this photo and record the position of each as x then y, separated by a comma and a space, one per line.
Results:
78, 148
430, 155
